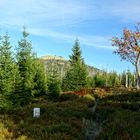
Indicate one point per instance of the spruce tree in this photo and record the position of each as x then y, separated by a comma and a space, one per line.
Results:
54, 87
99, 79
40, 78
76, 76
8, 72
54, 83
25, 59
76, 54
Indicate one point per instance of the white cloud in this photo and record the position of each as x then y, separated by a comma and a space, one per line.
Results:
44, 12
93, 41
41, 15
127, 9
64, 12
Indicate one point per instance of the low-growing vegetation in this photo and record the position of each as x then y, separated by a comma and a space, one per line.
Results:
58, 120
63, 119
122, 115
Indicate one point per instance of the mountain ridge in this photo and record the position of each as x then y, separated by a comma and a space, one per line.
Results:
61, 65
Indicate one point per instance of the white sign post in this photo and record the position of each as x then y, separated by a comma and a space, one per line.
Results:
36, 112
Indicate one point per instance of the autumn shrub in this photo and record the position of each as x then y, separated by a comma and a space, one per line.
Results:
81, 92
4, 133
23, 137
89, 97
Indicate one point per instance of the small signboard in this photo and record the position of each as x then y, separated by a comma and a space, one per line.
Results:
36, 112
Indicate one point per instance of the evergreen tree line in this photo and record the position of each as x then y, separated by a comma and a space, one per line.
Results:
112, 79
77, 76
22, 74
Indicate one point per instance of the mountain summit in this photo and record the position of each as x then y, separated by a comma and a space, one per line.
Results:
60, 65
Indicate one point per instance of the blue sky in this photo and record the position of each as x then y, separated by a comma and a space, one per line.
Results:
55, 24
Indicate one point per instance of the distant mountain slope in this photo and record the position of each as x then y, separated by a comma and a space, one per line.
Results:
61, 65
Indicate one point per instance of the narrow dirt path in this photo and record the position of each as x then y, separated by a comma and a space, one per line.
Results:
93, 128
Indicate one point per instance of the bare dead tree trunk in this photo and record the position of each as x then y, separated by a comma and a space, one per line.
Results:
126, 80
138, 72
